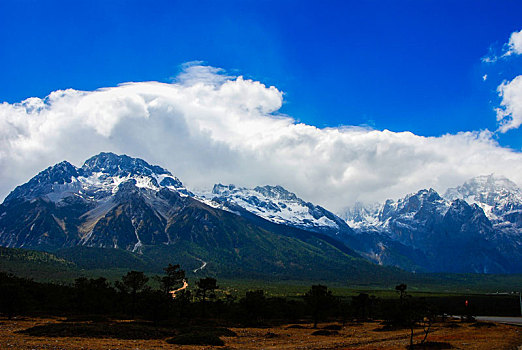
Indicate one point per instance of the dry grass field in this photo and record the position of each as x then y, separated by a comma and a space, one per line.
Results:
453, 334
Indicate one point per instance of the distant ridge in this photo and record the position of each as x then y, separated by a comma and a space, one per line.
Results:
475, 227
145, 217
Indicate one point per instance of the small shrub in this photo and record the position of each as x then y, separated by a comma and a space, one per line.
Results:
217, 331
86, 318
483, 325
98, 330
325, 332
452, 325
296, 326
431, 345
196, 339
271, 335
388, 328
333, 327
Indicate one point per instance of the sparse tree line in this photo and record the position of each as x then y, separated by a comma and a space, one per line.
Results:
138, 296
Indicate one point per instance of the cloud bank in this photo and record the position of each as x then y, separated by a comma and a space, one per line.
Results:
207, 127
514, 46
509, 114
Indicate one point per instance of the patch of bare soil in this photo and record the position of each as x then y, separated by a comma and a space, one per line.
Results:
30, 333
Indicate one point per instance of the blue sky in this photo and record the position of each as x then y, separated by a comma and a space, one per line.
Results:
403, 70
397, 65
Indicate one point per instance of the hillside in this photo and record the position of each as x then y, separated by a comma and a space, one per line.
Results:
143, 217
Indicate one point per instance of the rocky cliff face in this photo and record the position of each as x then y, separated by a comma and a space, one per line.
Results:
122, 202
111, 201
473, 228
280, 206
114, 201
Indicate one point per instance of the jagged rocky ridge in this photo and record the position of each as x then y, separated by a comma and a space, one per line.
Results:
103, 203
122, 202
278, 205
475, 227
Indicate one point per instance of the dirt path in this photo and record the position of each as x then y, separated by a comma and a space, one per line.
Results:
173, 292
203, 264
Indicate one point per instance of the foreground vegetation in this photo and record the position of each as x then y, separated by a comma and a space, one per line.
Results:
63, 267
30, 333
199, 315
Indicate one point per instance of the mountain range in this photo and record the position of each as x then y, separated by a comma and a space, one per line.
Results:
123, 206
475, 227
115, 204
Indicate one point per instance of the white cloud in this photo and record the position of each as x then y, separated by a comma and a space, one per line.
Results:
514, 46
206, 128
196, 72
509, 114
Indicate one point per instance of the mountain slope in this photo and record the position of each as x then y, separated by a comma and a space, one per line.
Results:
466, 231
279, 206
121, 202
500, 198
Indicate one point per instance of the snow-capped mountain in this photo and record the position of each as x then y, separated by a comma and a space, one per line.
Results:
473, 228
380, 216
99, 177
115, 201
277, 205
123, 202
500, 198
64, 205
362, 215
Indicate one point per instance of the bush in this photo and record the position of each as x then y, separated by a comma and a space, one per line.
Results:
196, 339
271, 335
98, 330
452, 325
433, 345
333, 327
325, 332
217, 331
296, 326
202, 336
483, 325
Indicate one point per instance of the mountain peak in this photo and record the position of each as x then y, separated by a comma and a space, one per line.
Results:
121, 165
482, 184
220, 189
58, 174
278, 205
427, 195
495, 194
99, 177
276, 192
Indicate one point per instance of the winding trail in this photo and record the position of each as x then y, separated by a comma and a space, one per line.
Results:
173, 292
204, 263
185, 283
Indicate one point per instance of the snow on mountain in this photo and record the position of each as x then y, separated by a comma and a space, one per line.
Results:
105, 182
480, 222
496, 195
125, 203
275, 204
361, 215
410, 209
99, 177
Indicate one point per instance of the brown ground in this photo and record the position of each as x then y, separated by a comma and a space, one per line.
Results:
353, 336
